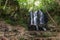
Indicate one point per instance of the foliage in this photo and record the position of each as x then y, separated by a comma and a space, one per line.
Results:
17, 11
50, 5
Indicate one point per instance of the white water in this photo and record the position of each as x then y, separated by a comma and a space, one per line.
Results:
44, 29
31, 15
34, 19
41, 14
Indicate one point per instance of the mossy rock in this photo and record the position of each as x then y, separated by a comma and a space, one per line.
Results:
47, 34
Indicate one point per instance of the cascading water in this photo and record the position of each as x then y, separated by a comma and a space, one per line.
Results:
31, 18
35, 20
34, 17
41, 19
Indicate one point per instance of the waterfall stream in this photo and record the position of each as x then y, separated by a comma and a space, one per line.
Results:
41, 19
34, 19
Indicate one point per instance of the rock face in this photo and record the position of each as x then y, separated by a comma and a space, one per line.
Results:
4, 27
3, 38
8, 32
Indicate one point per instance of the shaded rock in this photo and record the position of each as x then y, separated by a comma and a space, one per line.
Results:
1, 33
3, 38
9, 34
13, 38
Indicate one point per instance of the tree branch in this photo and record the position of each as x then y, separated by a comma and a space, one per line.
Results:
5, 4
52, 19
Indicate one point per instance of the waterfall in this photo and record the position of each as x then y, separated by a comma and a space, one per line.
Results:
35, 16
41, 19
35, 20
31, 18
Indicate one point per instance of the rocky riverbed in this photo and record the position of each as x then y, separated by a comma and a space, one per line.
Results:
9, 32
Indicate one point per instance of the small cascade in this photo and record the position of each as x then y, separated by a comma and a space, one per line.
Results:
41, 19
31, 18
37, 19
44, 29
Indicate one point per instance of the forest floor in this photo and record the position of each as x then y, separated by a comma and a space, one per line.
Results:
9, 32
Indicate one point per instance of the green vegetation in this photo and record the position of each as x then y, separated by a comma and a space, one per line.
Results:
16, 12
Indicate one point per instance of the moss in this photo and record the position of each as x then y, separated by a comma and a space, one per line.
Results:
47, 34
